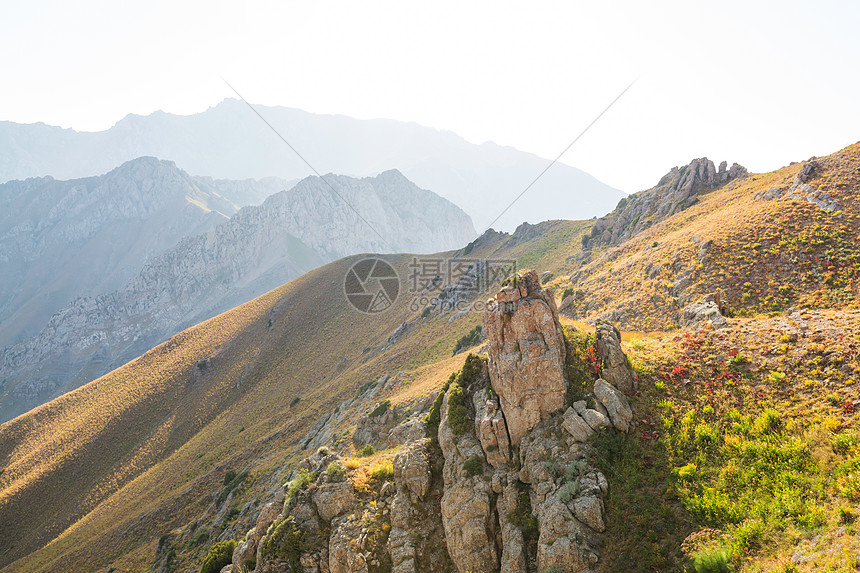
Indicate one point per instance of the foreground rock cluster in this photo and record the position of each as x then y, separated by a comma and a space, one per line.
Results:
496, 476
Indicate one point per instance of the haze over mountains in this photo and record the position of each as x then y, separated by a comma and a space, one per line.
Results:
125, 260
229, 141
64, 239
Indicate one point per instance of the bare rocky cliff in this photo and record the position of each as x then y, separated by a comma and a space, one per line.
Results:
676, 191
259, 248
461, 495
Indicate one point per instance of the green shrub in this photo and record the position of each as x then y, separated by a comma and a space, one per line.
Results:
570, 490
688, 472
302, 480
294, 401
365, 451
468, 340
335, 472
285, 542
575, 469
471, 368
474, 466
434, 416
844, 443
458, 417
382, 471
577, 363
229, 476
521, 516
712, 561
220, 555
229, 486
769, 422
380, 409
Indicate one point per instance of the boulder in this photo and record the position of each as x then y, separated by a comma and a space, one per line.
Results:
574, 425
615, 403
409, 431
597, 420
703, 312
589, 510
374, 430
526, 351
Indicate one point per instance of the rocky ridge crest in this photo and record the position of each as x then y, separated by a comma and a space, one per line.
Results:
677, 190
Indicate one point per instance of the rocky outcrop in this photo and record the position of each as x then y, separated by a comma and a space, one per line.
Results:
677, 190
466, 503
527, 352
704, 312
246, 551
616, 405
374, 430
797, 189
615, 367
528, 507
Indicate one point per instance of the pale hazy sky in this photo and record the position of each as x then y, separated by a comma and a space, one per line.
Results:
760, 83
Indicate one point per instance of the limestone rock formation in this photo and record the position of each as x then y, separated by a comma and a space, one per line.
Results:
616, 405
527, 352
616, 368
466, 507
533, 505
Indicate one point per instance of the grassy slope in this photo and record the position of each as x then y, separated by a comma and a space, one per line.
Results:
203, 429
95, 477
766, 255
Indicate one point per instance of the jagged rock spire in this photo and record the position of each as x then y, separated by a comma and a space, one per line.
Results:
526, 353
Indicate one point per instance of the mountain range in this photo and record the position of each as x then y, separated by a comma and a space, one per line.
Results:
230, 141
716, 430
102, 269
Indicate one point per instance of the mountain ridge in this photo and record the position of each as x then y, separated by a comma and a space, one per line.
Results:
229, 141
259, 248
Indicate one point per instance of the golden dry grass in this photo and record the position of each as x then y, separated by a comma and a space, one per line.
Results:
93, 479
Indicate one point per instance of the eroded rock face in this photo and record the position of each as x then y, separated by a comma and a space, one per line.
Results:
526, 354
466, 508
616, 368
247, 550
334, 499
490, 427
412, 470
565, 494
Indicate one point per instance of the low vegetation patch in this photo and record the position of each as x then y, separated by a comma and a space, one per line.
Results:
468, 340
219, 556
